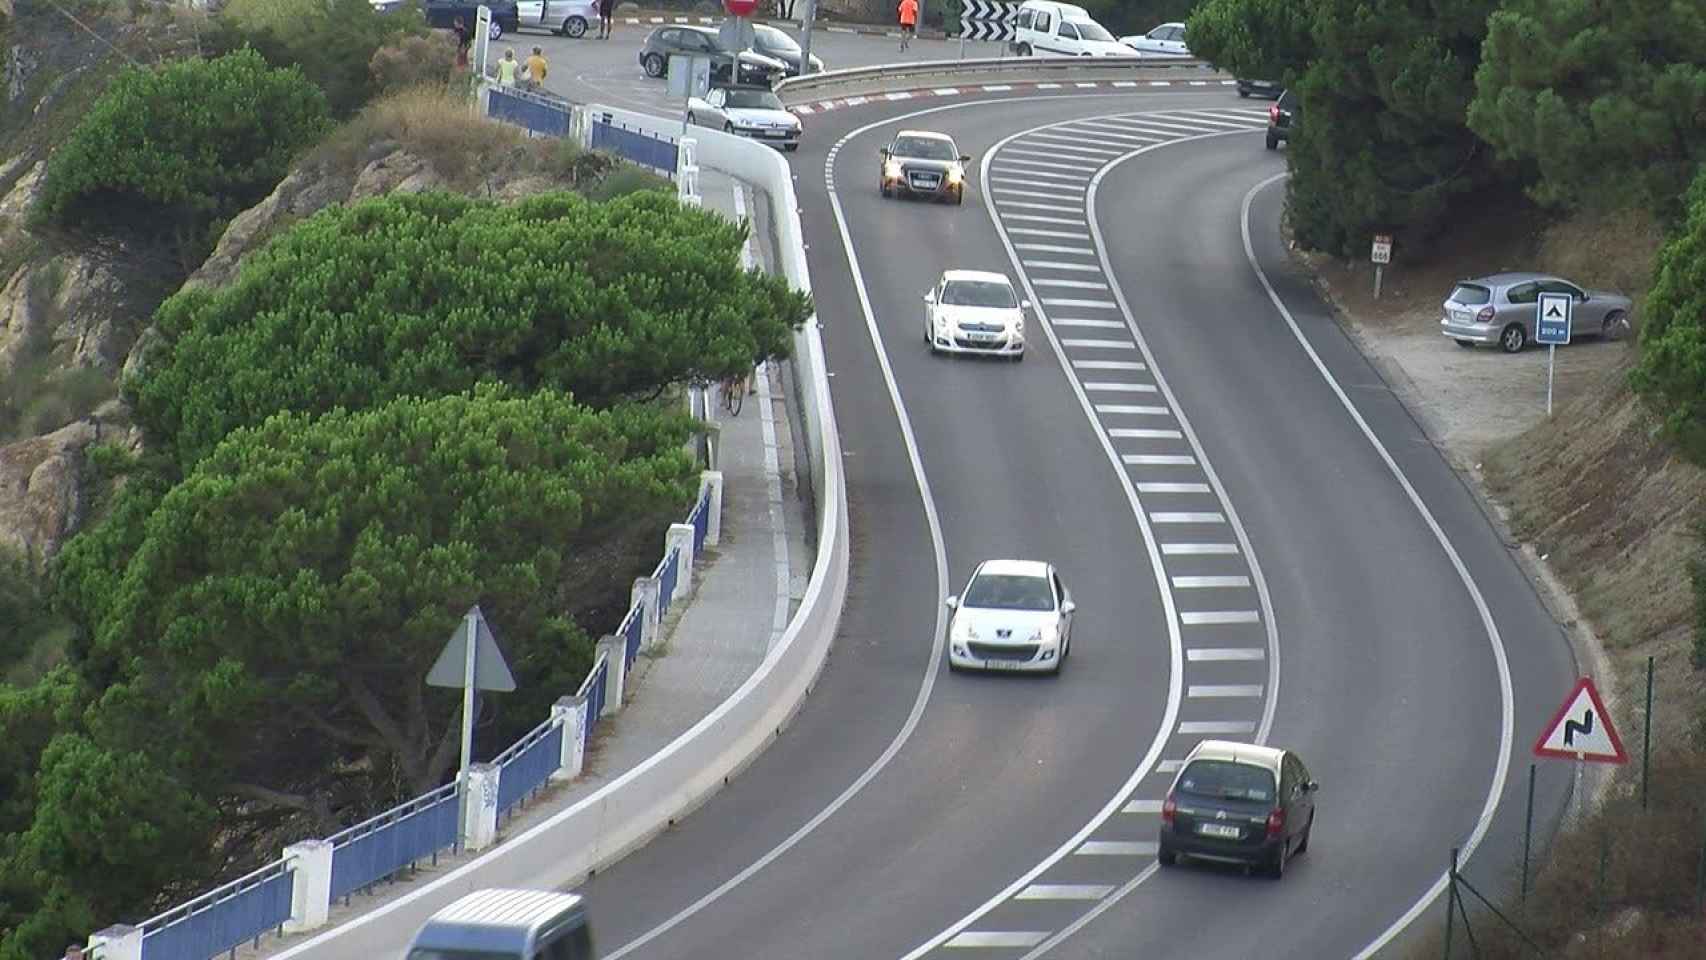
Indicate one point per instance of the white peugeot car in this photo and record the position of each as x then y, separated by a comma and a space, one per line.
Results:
748, 111
973, 311
1167, 40
1013, 615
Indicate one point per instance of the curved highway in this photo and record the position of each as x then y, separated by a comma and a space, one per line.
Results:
1261, 543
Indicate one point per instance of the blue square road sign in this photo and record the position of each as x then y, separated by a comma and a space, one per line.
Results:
1552, 322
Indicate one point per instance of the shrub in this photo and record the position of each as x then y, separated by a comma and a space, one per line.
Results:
194, 140
413, 61
431, 124
627, 179
333, 42
1671, 376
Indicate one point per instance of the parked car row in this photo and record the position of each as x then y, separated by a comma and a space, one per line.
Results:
570, 18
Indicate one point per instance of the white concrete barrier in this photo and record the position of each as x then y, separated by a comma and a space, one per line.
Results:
603, 827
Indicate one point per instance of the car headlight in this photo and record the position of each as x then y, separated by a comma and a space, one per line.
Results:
956, 173
891, 169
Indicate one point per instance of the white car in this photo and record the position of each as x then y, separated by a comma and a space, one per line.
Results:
1046, 28
567, 17
973, 311
748, 111
1013, 615
1167, 40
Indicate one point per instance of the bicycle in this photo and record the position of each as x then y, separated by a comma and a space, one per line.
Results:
734, 393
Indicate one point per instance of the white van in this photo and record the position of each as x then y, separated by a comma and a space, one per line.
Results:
506, 925
1046, 28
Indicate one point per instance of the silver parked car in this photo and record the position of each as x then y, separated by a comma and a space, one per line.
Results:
1501, 309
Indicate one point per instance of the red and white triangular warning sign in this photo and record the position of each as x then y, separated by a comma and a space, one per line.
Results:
1582, 729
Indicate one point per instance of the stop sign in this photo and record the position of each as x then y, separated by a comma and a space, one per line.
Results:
740, 8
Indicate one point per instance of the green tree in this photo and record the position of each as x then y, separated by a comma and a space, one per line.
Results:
425, 295
289, 595
1256, 39
1606, 102
333, 42
190, 142
1671, 375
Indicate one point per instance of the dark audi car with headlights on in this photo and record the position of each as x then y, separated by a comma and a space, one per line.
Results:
925, 164
1238, 803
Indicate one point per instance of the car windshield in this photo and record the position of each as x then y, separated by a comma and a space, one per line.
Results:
1470, 294
1091, 30
432, 953
754, 100
771, 38
924, 148
1000, 591
977, 293
1225, 780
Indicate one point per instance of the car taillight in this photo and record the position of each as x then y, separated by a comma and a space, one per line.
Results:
1273, 113
1276, 823
1484, 315
1168, 808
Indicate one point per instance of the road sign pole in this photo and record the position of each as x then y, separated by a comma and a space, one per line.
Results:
1581, 798
806, 37
467, 727
1528, 833
1551, 365
1377, 269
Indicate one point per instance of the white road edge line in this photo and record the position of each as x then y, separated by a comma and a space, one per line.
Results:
1506, 713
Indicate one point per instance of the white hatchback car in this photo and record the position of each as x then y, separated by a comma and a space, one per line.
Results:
1013, 615
1167, 40
974, 311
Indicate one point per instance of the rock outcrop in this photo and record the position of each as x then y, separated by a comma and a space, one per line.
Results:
42, 491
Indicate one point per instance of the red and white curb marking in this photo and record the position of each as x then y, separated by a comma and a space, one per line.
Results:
824, 106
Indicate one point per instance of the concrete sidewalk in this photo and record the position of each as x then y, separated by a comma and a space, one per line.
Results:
745, 590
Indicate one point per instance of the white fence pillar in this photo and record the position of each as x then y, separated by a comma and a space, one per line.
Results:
310, 884
615, 653
713, 480
645, 596
687, 172
482, 806
571, 713
680, 537
117, 942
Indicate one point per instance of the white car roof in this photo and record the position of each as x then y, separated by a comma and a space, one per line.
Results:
930, 134
982, 276
1013, 568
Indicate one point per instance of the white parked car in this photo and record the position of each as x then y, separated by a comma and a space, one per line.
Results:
1013, 615
1167, 40
973, 311
1047, 28
567, 17
748, 111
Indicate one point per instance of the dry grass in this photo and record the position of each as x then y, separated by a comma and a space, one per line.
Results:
433, 124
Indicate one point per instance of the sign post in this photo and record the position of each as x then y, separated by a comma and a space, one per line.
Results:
1381, 254
689, 77
482, 40
470, 660
1581, 731
1552, 327
806, 37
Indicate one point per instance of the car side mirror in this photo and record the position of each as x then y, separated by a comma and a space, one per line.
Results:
952, 603
1068, 607
882, 151
1024, 304
965, 158
1312, 786
929, 296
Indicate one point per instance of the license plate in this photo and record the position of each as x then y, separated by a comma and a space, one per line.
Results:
1462, 316
1002, 664
776, 133
925, 181
986, 337
1218, 830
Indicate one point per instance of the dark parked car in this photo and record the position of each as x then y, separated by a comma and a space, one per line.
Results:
923, 163
1264, 88
506, 17
755, 68
777, 45
1239, 803
1284, 115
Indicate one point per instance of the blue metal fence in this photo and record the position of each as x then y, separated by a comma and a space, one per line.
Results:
526, 766
546, 116
632, 631
636, 145
593, 690
701, 520
667, 573
217, 921
375, 849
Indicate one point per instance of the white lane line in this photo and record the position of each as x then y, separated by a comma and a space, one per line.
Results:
1160, 83
1507, 720
1048, 86
1125, 83
1105, 364
1102, 134
1121, 387
1199, 117
1082, 84
1160, 460
1034, 176
1075, 144
1055, 248
1167, 487
1210, 618
1065, 891
1026, 205
1141, 806
1039, 218
1216, 726
857, 101
1203, 517
1063, 234
1223, 691
1250, 121
903, 95
998, 938
946, 91
1223, 654
1198, 549
1068, 302
1129, 408
1029, 190
1074, 284
1098, 344
1060, 265
1056, 190
997, 87
1072, 163
1202, 583
1085, 322
1117, 848
1153, 124
1080, 172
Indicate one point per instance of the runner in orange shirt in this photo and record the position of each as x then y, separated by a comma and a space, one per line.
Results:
908, 21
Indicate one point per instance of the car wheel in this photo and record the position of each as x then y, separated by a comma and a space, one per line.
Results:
1466, 344
728, 128
574, 27
790, 147
1167, 856
654, 65
1615, 325
1243, 94
955, 668
497, 31
1303, 843
1273, 142
1024, 50
1276, 864
691, 119
1513, 338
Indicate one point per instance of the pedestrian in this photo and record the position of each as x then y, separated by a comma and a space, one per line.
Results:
605, 24
507, 68
536, 70
908, 21
464, 40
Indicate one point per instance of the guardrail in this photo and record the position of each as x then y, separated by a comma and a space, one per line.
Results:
892, 76
219, 920
400, 837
